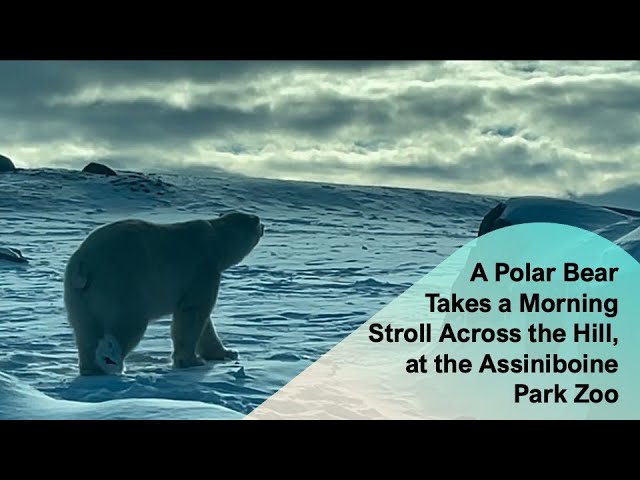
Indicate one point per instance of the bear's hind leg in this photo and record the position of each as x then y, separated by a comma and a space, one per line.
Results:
87, 343
186, 328
210, 346
87, 363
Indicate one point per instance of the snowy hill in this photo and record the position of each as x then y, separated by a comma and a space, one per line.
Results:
332, 256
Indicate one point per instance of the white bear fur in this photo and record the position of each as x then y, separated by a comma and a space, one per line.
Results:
128, 273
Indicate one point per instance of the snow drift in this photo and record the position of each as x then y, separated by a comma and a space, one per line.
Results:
19, 401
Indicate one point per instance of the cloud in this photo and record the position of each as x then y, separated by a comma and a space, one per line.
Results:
509, 128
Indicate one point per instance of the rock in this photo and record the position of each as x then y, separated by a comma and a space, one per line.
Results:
99, 169
6, 165
12, 255
492, 220
519, 210
240, 373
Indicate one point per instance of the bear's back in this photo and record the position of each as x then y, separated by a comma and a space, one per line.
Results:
135, 262
138, 244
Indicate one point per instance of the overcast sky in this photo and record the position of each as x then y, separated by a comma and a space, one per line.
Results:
508, 128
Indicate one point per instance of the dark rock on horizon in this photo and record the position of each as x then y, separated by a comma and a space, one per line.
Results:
492, 220
12, 255
99, 169
6, 165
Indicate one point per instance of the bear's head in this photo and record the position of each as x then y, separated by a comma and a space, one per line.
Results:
238, 234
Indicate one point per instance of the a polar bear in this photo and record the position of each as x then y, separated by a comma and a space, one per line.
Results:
131, 272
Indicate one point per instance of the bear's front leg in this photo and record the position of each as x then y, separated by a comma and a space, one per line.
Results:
210, 346
186, 329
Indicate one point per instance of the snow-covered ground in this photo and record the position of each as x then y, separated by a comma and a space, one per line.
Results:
332, 256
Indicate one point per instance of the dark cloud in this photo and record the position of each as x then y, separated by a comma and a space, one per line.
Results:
324, 115
445, 105
317, 116
596, 113
553, 125
41, 78
505, 132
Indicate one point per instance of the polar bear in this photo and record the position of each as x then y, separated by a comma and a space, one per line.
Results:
131, 272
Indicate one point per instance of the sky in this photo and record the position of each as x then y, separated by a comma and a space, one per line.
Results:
494, 127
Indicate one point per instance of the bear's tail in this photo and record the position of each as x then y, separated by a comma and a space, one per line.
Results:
77, 275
